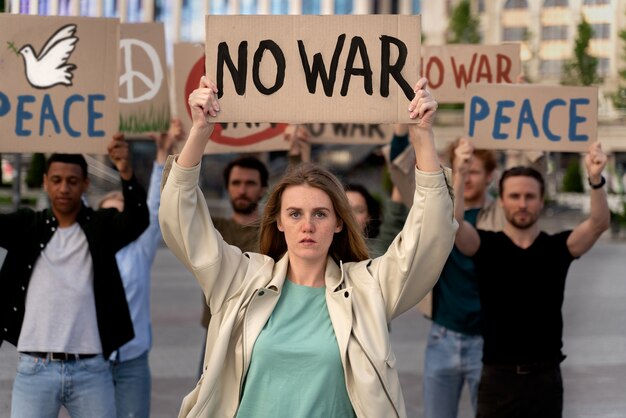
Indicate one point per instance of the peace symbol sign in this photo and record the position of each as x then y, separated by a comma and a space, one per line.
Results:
128, 78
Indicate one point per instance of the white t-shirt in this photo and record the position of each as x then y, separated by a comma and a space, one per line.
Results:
60, 305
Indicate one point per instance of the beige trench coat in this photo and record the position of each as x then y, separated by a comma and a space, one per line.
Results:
362, 298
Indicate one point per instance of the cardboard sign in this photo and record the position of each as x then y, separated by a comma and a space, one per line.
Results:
314, 69
143, 91
227, 137
450, 68
531, 117
58, 90
349, 133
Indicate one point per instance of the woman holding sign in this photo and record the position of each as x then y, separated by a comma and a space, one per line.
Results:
300, 330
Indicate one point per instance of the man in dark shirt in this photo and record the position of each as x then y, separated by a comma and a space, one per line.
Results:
521, 273
62, 302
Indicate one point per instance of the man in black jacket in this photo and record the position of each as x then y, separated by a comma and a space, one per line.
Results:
62, 303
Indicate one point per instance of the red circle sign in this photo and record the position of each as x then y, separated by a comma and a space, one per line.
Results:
218, 136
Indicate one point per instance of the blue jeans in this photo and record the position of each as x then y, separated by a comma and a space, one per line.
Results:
132, 387
83, 387
451, 359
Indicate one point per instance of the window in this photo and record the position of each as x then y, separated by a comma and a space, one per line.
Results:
279, 7
516, 4
603, 66
595, 2
555, 3
551, 67
343, 7
218, 7
481, 6
247, 7
553, 33
417, 7
515, 34
601, 30
311, 7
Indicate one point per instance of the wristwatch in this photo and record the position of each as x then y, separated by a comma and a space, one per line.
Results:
597, 186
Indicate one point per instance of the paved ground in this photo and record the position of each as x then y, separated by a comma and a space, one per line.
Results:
595, 341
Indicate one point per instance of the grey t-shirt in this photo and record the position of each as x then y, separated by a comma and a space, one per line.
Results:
60, 306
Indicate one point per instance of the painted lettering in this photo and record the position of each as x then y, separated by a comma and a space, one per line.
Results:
318, 70
47, 114
484, 70
479, 110
315, 129
22, 114
546, 118
520, 117
395, 70
238, 73
526, 118
575, 119
357, 44
432, 81
279, 58
5, 104
462, 76
92, 115
66, 114
503, 65
46, 120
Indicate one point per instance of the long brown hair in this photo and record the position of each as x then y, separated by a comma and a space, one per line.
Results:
347, 245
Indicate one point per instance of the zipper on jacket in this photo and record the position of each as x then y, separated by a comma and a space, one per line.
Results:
379, 374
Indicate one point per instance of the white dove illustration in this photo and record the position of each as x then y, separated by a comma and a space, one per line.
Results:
50, 67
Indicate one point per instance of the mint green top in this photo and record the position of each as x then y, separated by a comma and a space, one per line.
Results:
295, 370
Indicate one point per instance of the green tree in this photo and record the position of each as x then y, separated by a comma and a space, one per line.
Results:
463, 27
36, 169
573, 180
581, 70
620, 98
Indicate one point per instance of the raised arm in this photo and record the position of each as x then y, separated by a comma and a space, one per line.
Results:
184, 217
127, 225
203, 103
413, 262
587, 233
467, 238
299, 145
423, 106
164, 141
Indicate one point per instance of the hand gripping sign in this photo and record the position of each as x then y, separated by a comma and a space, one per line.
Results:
227, 137
253, 137
311, 69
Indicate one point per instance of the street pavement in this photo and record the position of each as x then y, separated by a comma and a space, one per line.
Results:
595, 340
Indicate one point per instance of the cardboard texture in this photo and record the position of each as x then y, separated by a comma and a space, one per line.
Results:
531, 117
143, 89
188, 68
314, 69
227, 137
450, 68
258, 137
349, 133
58, 90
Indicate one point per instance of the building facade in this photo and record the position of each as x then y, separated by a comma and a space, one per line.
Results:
547, 30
